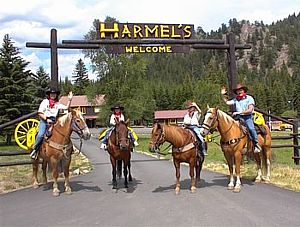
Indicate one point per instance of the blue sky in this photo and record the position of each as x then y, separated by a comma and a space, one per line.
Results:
31, 20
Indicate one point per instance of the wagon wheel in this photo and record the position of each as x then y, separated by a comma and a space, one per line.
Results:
25, 133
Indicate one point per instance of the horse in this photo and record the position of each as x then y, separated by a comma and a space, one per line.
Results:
119, 148
183, 150
235, 142
59, 148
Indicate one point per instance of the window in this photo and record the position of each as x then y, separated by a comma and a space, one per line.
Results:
172, 121
96, 109
83, 110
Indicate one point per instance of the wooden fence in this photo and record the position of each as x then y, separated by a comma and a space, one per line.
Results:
294, 136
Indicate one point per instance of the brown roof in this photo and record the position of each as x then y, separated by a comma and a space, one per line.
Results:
167, 114
82, 100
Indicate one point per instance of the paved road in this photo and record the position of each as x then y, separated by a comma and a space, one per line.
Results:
150, 200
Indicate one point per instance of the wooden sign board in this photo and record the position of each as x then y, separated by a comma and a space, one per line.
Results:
119, 31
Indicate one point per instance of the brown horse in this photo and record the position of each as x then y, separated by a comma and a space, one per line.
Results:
120, 147
183, 150
59, 147
234, 143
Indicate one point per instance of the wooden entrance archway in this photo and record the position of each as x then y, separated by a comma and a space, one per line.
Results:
217, 44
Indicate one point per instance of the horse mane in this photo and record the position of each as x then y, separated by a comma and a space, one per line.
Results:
226, 116
62, 120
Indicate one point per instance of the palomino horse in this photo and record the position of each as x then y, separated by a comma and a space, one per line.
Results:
120, 147
59, 147
183, 150
234, 142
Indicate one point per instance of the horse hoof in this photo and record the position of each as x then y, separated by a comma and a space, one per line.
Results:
36, 185
68, 191
193, 189
267, 180
230, 187
177, 191
55, 194
257, 180
237, 189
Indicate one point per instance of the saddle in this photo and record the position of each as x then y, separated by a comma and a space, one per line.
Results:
197, 142
260, 129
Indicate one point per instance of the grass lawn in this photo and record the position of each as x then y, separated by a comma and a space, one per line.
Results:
284, 172
14, 177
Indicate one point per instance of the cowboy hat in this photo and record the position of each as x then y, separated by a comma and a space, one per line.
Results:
240, 86
192, 104
117, 106
53, 90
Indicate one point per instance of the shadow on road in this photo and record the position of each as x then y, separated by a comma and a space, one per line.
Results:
75, 185
186, 184
131, 186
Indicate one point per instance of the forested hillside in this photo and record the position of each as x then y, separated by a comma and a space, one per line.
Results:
144, 83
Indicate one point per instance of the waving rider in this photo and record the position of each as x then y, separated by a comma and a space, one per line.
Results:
244, 105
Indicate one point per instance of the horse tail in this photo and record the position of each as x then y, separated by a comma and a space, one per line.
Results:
119, 168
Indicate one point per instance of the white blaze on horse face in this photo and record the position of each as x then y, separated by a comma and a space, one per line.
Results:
206, 123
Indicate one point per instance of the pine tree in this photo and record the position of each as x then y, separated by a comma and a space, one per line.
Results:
15, 97
40, 81
80, 77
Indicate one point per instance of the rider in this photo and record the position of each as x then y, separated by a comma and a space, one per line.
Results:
191, 121
47, 112
115, 117
244, 105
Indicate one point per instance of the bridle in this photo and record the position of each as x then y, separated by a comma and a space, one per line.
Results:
160, 139
76, 128
211, 126
118, 140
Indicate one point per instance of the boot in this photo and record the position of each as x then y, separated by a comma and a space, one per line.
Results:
34, 154
257, 148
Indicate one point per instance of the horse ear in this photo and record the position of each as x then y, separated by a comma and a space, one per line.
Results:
127, 122
207, 106
73, 111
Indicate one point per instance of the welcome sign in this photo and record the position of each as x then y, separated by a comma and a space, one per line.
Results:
118, 31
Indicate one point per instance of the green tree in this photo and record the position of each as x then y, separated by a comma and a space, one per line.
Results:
15, 98
80, 78
40, 82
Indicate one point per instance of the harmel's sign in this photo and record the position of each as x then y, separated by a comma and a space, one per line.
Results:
120, 31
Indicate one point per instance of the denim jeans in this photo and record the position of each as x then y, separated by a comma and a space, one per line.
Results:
196, 129
109, 130
105, 138
250, 125
40, 135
